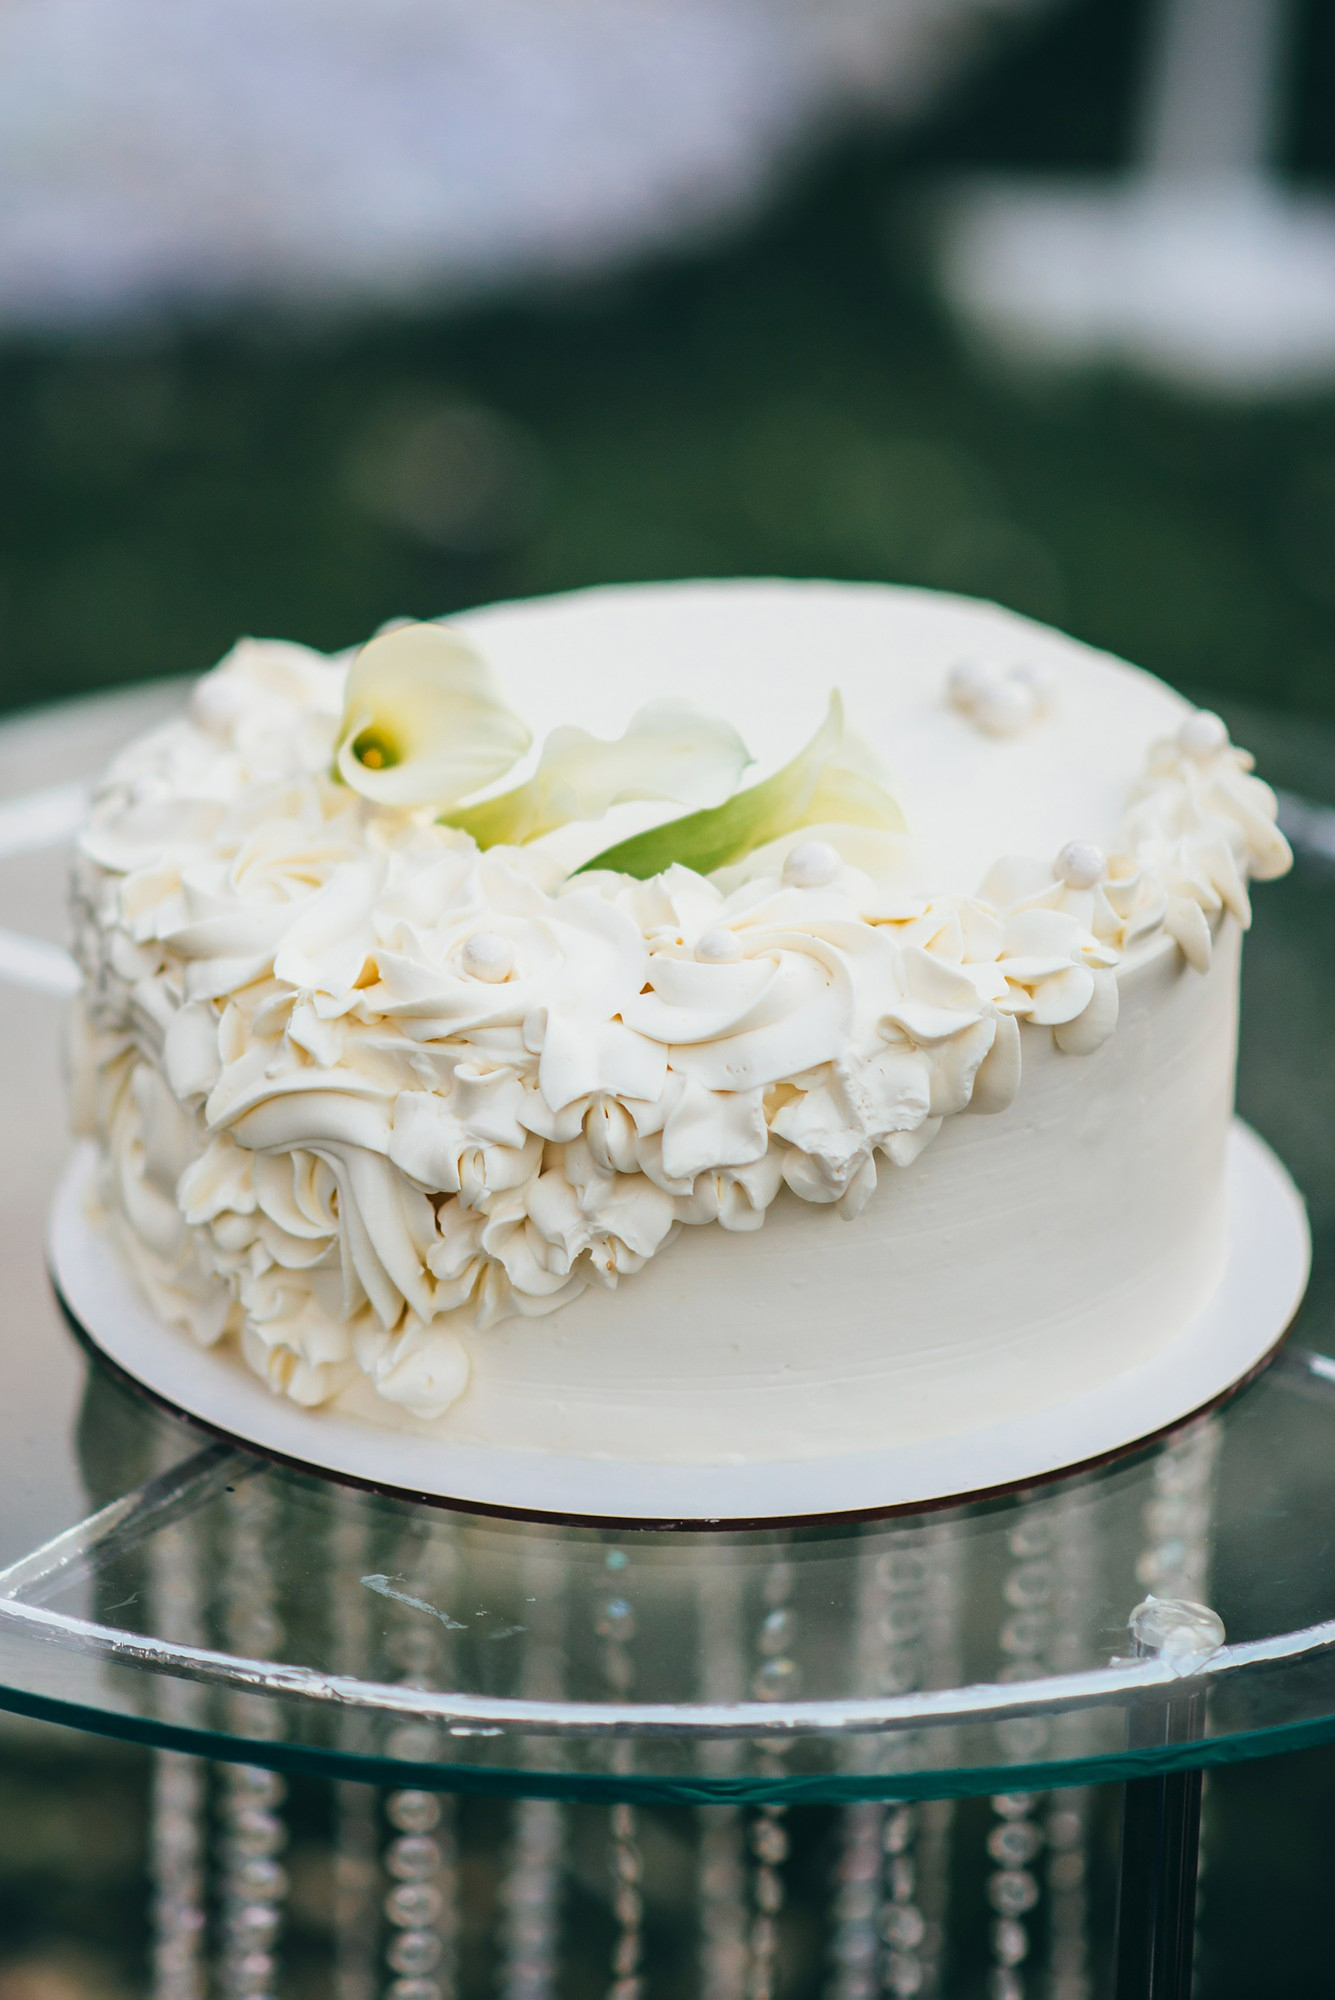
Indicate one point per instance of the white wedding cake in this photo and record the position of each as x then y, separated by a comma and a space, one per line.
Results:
873, 1084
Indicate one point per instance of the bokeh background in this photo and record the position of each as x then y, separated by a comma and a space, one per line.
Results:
715, 347
317, 312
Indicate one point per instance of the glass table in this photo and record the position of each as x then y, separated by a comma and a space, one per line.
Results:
1135, 1623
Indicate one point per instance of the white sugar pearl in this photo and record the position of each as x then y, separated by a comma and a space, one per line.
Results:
1079, 865
1202, 734
215, 705
1006, 708
810, 865
969, 681
719, 948
488, 956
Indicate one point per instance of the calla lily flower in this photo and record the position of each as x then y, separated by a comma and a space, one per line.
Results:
424, 723
671, 750
833, 781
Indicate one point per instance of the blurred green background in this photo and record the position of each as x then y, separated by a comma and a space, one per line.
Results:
790, 400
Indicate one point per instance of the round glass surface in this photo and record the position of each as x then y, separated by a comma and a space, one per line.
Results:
157, 1584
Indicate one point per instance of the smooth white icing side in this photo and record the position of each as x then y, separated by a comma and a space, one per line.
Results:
366, 1096
1020, 1260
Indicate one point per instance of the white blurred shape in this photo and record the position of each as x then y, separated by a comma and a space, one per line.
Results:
1199, 267
154, 152
1217, 286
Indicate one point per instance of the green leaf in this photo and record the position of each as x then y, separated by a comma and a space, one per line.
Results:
834, 780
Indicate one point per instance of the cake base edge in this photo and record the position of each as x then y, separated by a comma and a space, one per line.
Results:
1222, 1347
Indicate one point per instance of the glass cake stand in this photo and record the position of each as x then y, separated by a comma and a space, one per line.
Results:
1134, 1623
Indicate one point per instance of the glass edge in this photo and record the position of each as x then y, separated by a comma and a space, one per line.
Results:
649, 1788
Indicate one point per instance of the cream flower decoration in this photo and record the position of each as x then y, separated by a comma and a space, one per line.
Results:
834, 780
671, 750
424, 723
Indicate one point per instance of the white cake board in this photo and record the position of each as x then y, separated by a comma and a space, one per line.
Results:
1264, 1280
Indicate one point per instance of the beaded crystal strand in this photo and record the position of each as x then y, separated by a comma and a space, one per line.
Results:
356, 1806
178, 1836
253, 1882
1067, 1828
721, 1886
614, 1623
1016, 1837
893, 1864
776, 1677
531, 1885
421, 1905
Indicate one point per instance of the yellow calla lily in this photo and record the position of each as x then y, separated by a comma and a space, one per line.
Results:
423, 722
671, 750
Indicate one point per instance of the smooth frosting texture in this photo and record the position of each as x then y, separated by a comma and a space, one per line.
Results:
1021, 1260
398, 1113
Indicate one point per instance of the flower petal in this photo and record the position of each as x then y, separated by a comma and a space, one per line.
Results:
671, 750
833, 781
423, 720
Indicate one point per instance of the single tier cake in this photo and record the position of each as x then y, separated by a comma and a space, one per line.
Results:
695, 1022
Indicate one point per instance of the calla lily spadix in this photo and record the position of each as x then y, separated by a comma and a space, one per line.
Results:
424, 723
834, 781
671, 750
